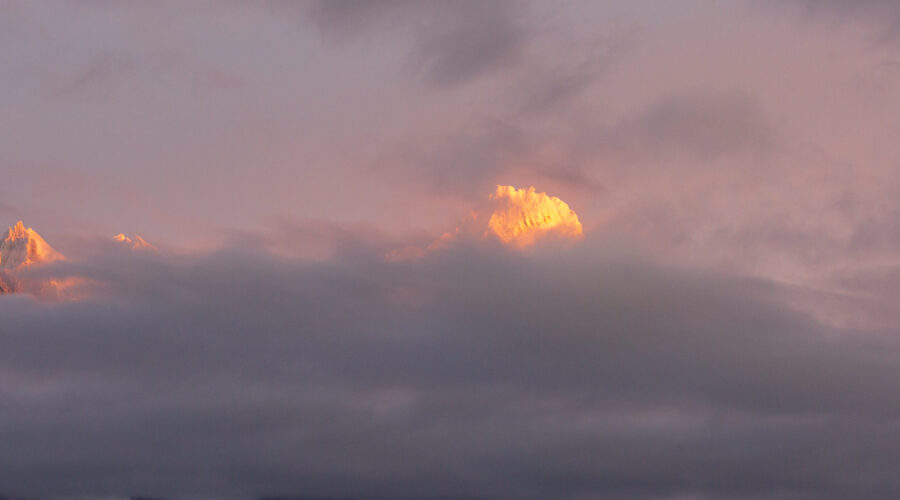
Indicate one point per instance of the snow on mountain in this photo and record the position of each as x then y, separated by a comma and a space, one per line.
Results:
22, 247
136, 243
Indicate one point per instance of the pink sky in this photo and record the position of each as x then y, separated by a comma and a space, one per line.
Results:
689, 127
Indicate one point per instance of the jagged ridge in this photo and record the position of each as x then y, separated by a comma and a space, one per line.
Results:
22, 247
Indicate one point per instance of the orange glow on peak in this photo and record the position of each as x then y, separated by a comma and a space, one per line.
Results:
525, 215
24, 247
136, 243
521, 217
21, 248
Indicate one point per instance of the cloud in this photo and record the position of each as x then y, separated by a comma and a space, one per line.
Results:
98, 73
689, 131
342, 21
484, 37
465, 161
699, 124
452, 42
882, 16
573, 373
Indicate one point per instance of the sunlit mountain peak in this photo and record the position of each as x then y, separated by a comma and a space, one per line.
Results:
524, 215
521, 217
136, 243
24, 247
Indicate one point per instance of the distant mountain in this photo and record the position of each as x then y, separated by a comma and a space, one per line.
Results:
136, 243
22, 247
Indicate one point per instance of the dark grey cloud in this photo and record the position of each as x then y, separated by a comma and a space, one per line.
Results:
882, 16
701, 124
344, 20
556, 84
474, 372
554, 91
452, 42
466, 162
484, 37
699, 129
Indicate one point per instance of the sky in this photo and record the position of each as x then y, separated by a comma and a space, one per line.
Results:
469, 249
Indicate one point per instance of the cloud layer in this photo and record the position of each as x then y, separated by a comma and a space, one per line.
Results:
472, 372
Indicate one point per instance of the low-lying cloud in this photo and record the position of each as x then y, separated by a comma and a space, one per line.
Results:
475, 371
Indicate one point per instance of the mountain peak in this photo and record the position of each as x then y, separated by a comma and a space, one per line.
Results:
23, 246
17, 231
524, 215
136, 243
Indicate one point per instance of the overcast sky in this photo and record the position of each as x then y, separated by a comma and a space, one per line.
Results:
726, 328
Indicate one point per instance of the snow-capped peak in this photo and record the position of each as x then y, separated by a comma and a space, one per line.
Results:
24, 247
136, 243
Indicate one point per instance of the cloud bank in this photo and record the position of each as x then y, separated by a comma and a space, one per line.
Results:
476, 371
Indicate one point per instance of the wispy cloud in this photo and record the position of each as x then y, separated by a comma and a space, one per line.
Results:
451, 43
